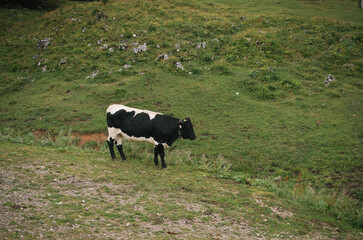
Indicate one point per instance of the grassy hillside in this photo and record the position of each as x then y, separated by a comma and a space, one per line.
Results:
253, 79
52, 193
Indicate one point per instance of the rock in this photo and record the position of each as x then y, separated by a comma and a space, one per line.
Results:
110, 50
94, 74
351, 65
104, 46
162, 57
127, 66
329, 79
63, 61
100, 15
36, 57
75, 20
84, 29
204, 45
178, 45
140, 48
134, 35
99, 41
201, 45
44, 68
41, 61
106, 28
157, 46
43, 43
123, 46
179, 65
119, 70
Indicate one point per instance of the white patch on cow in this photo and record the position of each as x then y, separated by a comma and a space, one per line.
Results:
117, 107
118, 135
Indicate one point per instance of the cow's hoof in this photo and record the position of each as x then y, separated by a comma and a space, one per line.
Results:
114, 159
164, 168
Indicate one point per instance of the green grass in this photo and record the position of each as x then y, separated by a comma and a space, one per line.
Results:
283, 122
53, 192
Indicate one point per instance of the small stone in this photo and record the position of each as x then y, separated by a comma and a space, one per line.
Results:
329, 79
94, 74
162, 57
127, 66
84, 29
110, 50
43, 43
100, 15
41, 61
179, 65
63, 61
140, 48
122, 46
44, 69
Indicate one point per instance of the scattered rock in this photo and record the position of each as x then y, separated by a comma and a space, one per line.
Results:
104, 46
84, 29
157, 46
110, 50
127, 66
94, 74
75, 20
119, 70
123, 46
41, 61
43, 43
36, 57
351, 65
178, 45
121, 35
134, 35
162, 57
63, 61
179, 65
106, 28
100, 15
201, 45
44, 68
329, 79
140, 48
99, 41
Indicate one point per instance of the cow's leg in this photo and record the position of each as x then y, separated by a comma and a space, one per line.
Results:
156, 153
110, 145
162, 155
119, 147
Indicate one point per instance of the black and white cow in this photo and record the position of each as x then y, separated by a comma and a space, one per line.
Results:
145, 126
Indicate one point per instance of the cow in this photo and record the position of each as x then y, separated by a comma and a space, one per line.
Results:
145, 126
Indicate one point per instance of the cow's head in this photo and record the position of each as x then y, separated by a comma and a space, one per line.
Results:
186, 129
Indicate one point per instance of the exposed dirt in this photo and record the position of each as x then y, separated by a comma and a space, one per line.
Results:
88, 137
82, 138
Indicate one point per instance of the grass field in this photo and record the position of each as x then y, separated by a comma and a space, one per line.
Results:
253, 85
